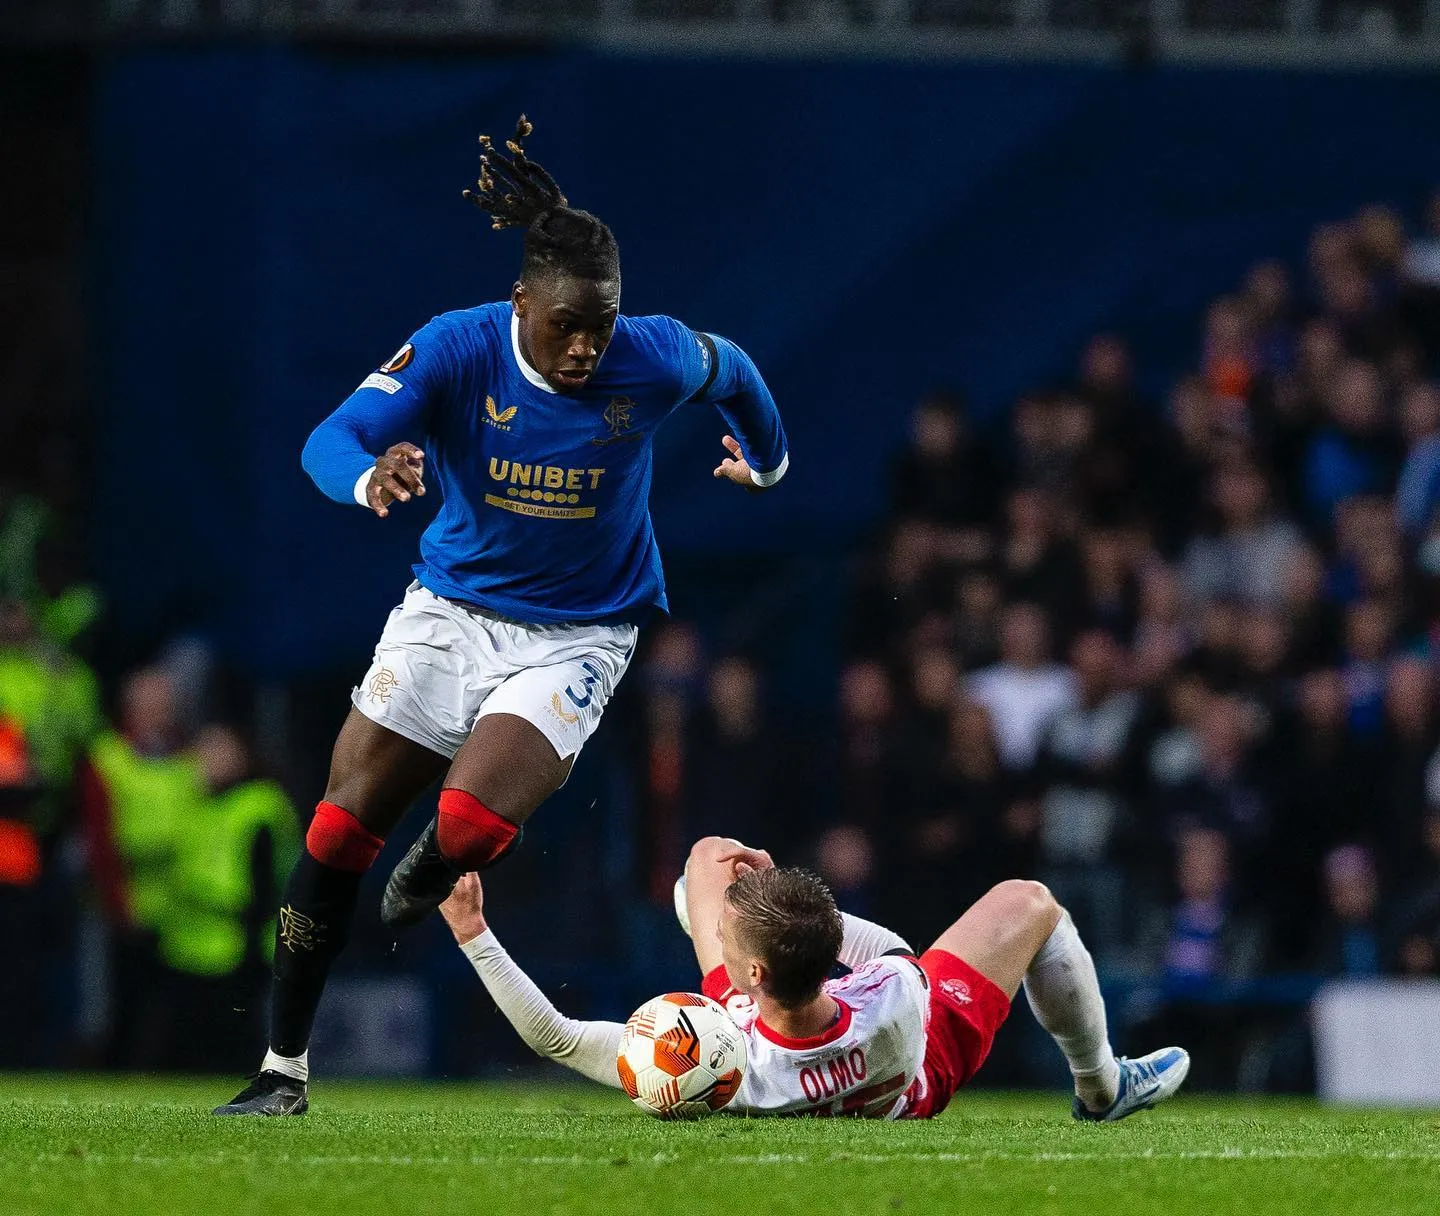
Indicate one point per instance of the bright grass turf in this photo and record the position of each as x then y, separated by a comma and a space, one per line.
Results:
120, 1145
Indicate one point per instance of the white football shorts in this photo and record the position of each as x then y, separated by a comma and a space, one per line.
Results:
441, 665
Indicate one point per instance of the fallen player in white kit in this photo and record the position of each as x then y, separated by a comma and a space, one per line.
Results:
893, 1039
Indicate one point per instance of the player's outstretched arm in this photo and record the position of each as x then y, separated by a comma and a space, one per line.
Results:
758, 453
587, 1047
363, 452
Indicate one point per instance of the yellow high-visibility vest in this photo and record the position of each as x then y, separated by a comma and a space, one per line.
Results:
152, 799
203, 932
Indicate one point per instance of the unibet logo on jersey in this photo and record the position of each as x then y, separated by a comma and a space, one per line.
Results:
549, 491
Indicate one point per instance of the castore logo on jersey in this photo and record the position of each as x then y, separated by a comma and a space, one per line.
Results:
497, 417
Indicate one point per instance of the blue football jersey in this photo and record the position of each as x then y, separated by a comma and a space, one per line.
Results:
545, 514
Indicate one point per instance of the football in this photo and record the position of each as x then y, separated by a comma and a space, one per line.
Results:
681, 1057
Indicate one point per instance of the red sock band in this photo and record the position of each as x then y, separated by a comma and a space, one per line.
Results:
470, 834
337, 839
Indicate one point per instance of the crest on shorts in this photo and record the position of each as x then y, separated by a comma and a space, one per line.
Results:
957, 990
380, 685
560, 711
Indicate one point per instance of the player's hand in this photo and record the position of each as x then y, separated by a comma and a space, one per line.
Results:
464, 910
743, 859
735, 467
399, 474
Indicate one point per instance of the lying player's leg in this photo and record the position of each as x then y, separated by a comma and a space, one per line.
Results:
375, 774
1017, 934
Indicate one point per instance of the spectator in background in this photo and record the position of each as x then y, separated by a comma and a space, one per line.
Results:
670, 683
1380, 249
957, 829
892, 594
1087, 766
945, 475
1201, 941
845, 859
1111, 596
1324, 776
1052, 434
1347, 938
53, 700
1123, 460
1418, 905
862, 783
1267, 300
1106, 381
1353, 452
1314, 622
1287, 407
1418, 492
1245, 555
1184, 458
1402, 764
1229, 362
1263, 652
735, 737
1224, 795
235, 848
975, 630
1163, 635
1036, 562
137, 791
1369, 629
1421, 262
1026, 690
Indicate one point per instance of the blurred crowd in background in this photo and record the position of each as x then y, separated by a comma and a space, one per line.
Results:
1175, 657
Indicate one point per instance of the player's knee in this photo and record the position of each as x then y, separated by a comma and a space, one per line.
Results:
338, 840
471, 836
1025, 901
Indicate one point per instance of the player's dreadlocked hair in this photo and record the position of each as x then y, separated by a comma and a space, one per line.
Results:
518, 193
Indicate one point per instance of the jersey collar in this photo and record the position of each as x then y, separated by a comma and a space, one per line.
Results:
526, 370
828, 1035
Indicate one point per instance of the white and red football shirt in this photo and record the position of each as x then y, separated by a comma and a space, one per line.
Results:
861, 1066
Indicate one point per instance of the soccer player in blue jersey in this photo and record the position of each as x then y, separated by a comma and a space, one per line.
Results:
534, 419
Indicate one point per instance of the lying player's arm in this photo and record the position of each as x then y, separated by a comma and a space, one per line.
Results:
864, 940
587, 1047
362, 452
715, 862
758, 453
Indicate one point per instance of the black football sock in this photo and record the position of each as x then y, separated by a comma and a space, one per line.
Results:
312, 929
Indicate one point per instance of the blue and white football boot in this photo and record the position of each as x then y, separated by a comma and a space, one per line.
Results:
1143, 1083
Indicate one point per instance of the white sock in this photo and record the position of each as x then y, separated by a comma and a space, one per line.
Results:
292, 1066
1064, 992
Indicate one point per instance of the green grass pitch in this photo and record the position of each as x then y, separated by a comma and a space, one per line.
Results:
123, 1145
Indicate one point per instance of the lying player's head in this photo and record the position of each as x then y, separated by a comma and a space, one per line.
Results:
568, 293
780, 934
